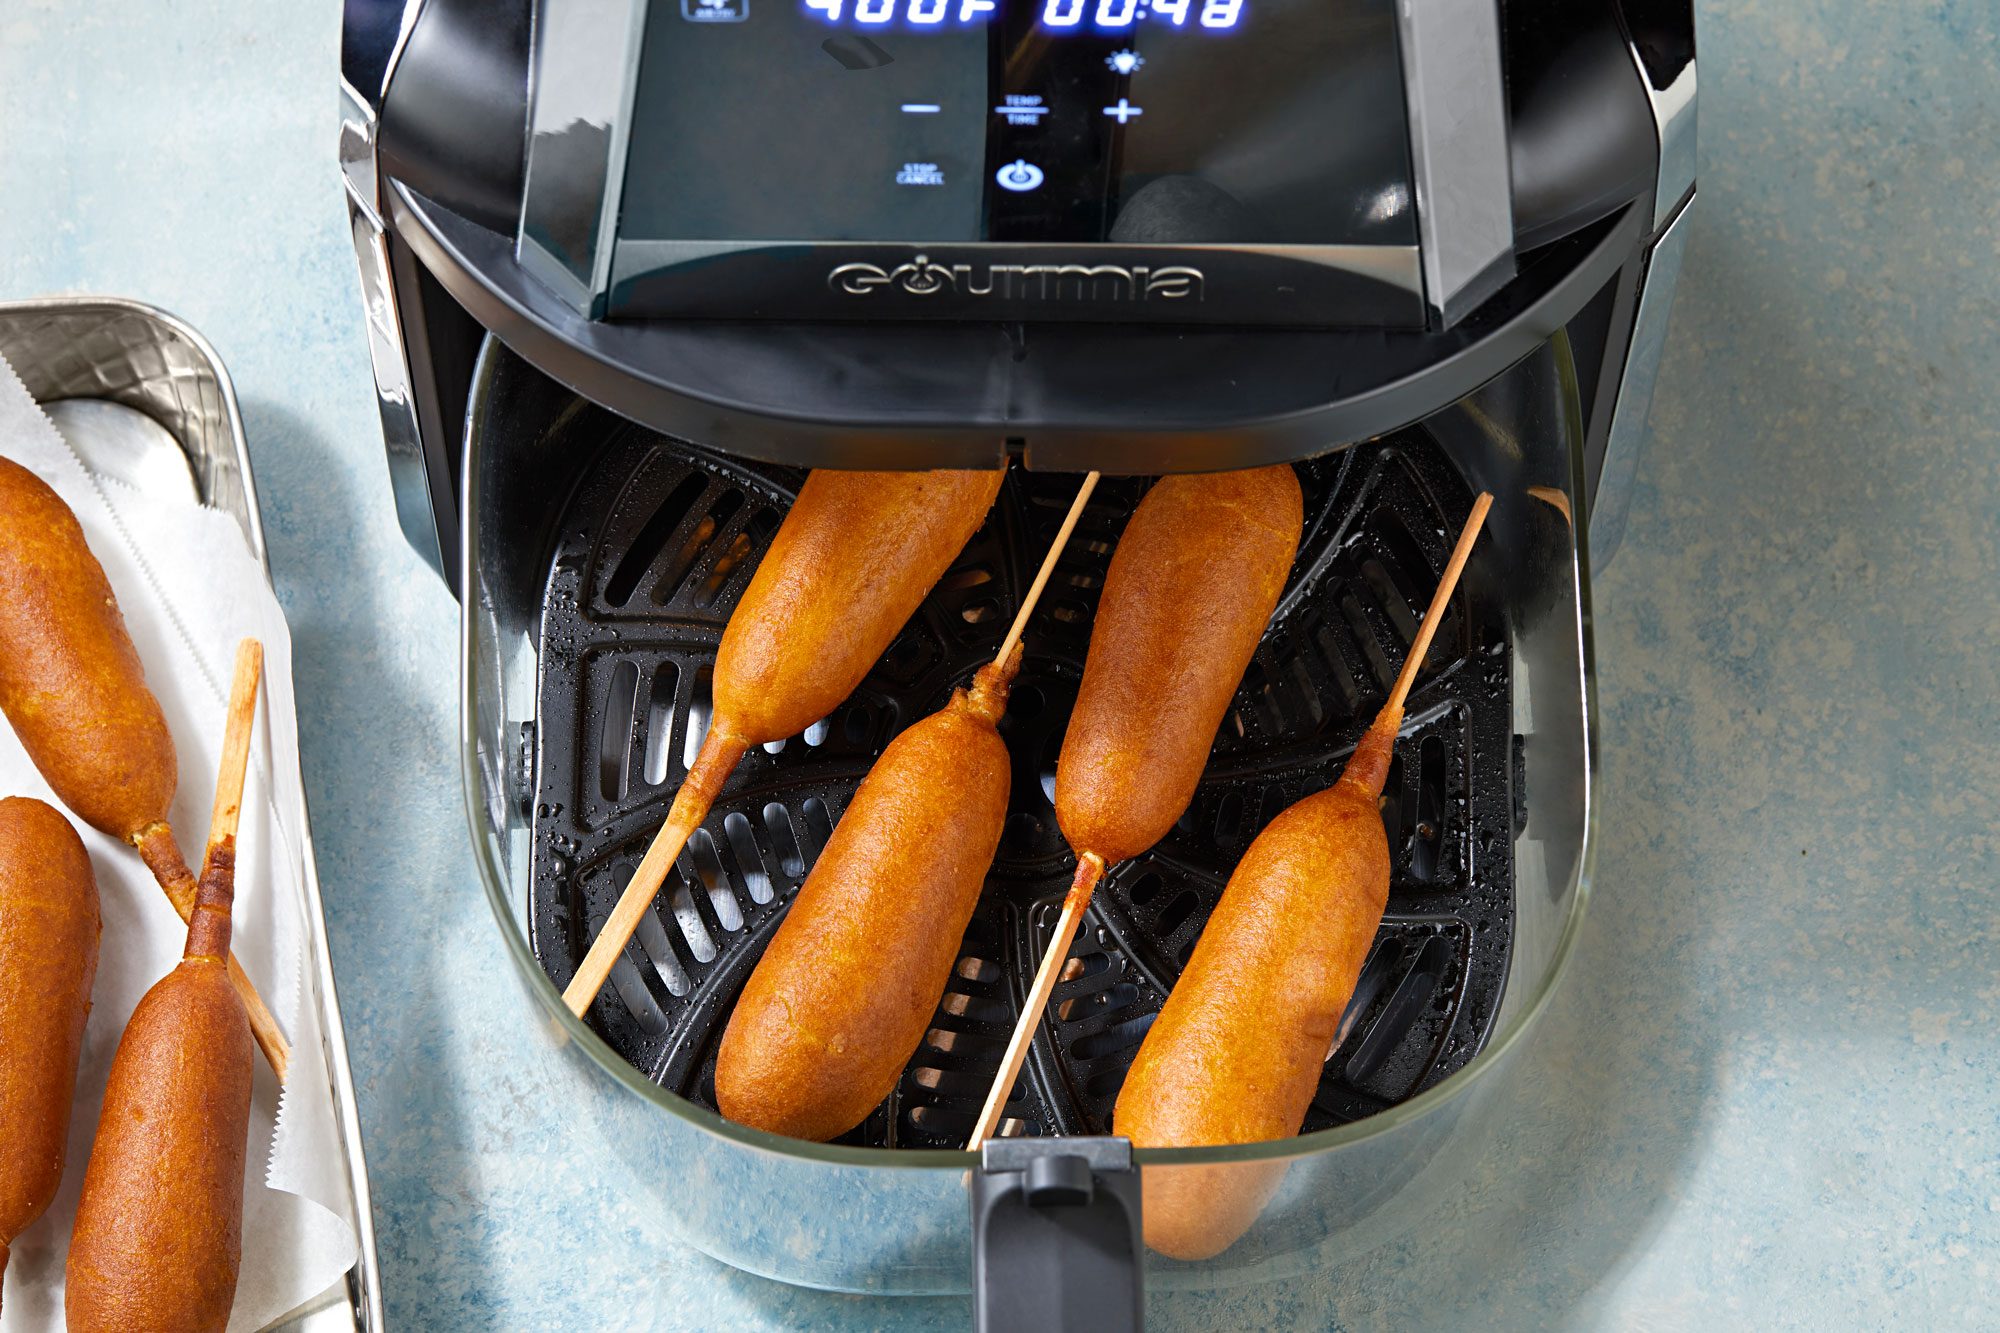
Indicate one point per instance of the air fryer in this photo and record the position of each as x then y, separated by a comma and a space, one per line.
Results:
632, 268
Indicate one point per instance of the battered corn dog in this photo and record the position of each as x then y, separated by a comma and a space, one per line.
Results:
853, 559
1241, 1043
1197, 573
49, 929
72, 686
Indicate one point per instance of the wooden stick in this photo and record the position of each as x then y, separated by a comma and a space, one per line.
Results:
1447, 584
228, 811
227, 815
1020, 625
1089, 869
712, 767
211, 923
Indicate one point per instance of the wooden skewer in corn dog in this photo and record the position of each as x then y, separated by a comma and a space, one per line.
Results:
853, 559
1241, 1043
846, 988
159, 1229
1195, 578
73, 687
49, 929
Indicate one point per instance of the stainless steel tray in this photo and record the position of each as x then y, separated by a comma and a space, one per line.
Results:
88, 347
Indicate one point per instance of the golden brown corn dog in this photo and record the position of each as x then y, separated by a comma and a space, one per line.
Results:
1197, 573
855, 556
73, 687
1238, 1050
49, 928
159, 1230
847, 986
1190, 589
853, 559
1240, 1045
70, 680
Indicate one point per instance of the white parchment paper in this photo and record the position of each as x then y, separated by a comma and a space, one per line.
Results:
190, 589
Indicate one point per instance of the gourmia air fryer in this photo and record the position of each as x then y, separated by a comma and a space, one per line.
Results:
632, 266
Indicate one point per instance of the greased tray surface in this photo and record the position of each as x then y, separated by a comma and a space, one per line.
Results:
130, 353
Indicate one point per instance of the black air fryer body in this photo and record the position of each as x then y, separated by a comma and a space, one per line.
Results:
630, 266
1589, 161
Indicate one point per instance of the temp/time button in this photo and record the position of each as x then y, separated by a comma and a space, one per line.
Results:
1019, 176
1022, 109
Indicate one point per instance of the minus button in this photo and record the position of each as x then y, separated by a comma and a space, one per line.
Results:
921, 108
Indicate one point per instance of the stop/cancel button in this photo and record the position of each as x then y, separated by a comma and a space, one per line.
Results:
1019, 175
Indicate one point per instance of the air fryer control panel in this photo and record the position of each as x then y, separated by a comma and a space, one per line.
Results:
1232, 161
1079, 122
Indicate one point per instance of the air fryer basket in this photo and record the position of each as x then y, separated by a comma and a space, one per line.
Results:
658, 542
601, 564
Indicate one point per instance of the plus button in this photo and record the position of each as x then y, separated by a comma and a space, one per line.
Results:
1124, 111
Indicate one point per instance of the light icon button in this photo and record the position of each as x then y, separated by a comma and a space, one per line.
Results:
1125, 62
1019, 176
1124, 111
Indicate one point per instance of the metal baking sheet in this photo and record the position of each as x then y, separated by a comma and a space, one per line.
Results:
86, 349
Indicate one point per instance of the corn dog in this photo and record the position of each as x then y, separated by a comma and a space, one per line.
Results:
847, 986
1193, 582
853, 559
1191, 586
1240, 1045
811, 1047
49, 928
72, 685
158, 1240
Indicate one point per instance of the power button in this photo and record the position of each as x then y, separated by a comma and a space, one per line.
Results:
1019, 176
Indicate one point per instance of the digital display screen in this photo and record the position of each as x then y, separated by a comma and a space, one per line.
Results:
1160, 122
1101, 16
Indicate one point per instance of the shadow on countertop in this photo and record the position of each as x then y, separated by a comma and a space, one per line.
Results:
397, 929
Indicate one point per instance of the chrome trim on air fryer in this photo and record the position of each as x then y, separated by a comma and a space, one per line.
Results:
1458, 150
1627, 438
356, 152
401, 437
362, 27
1674, 117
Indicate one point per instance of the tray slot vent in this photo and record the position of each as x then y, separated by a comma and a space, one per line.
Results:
614, 743
652, 539
660, 724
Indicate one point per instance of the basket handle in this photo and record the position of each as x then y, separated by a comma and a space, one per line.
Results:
1056, 1236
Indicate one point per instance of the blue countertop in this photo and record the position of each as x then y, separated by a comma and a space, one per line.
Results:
1768, 1091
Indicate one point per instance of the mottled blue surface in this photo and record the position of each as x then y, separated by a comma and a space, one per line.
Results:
1766, 1095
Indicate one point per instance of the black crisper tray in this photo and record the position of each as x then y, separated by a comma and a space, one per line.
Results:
658, 543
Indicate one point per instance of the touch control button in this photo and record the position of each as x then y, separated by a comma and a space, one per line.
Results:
1019, 176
